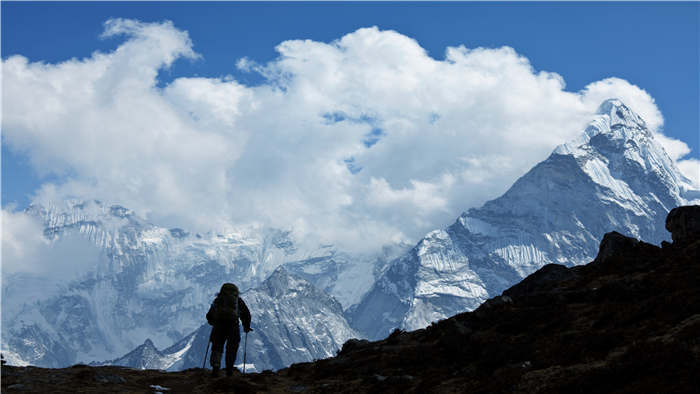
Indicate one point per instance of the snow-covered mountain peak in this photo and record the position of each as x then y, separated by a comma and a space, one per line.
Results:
619, 114
436, 239
617, 147
281, 282
616, 128
620, 156
614, 176
74, 212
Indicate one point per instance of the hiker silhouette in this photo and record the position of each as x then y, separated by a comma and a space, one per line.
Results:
223, 316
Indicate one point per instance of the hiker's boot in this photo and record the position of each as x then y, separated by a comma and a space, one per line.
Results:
229, 371
215, 372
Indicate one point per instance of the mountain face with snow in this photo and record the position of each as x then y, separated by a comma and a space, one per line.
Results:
345, 276
145, 356
615, 176
292, 321
150, 282
156, 283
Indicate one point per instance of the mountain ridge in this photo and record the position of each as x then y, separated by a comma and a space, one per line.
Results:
615, 176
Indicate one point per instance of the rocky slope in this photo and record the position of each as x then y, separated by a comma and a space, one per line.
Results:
628, 322
614, 177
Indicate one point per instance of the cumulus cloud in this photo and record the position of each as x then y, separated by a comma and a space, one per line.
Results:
691, 169
678, 151
360, 141
633, 96
26, 250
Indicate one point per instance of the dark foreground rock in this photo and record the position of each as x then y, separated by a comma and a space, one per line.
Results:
629, 322
684, 223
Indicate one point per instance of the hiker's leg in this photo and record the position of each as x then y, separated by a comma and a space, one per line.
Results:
217, 346
232, 342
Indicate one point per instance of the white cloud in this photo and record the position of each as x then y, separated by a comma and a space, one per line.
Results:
676, 149
691, 169
360, 141
24, 249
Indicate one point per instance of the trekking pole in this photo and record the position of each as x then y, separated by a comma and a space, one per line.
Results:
207, 352
205, 355
245, 350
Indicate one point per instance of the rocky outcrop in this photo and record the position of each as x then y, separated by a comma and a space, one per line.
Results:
613, 244
684, 223
542, 281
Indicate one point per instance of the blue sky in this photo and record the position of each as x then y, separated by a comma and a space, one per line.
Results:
651, 45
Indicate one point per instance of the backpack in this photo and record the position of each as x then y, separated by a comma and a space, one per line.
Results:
225, 306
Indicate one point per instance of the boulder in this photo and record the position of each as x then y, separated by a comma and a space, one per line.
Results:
684, 224
351, 345
614, 244
542, 280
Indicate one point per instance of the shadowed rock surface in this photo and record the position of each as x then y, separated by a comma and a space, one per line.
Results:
684, 223
628, 322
